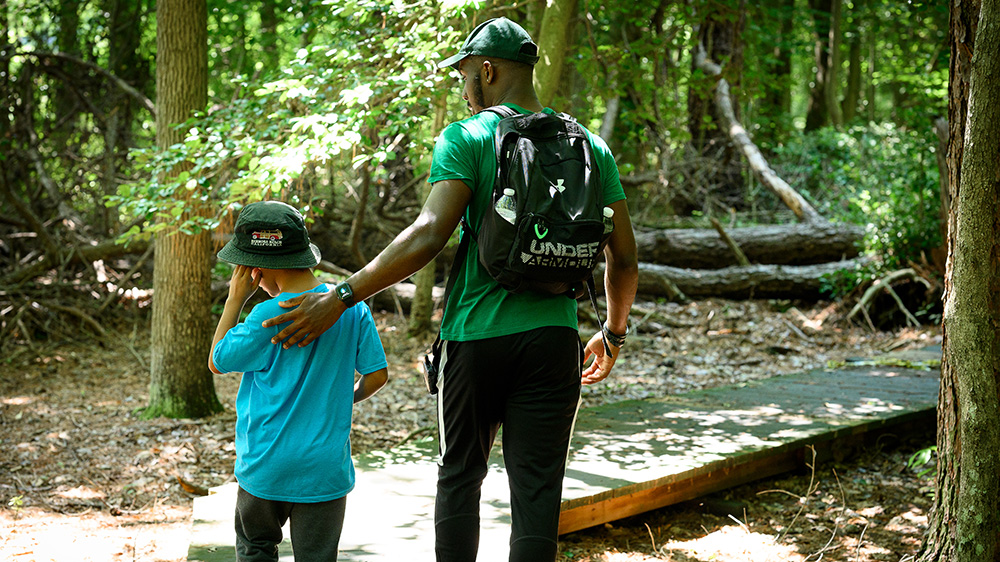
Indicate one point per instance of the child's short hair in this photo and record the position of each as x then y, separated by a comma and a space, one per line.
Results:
271, 235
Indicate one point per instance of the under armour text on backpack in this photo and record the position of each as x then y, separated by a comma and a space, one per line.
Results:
553, 238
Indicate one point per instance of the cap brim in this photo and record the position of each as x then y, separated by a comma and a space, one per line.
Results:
299, 260
452, 61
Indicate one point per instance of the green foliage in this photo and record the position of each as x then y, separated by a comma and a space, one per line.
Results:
922, 458
836, 285
882, 176
332, 109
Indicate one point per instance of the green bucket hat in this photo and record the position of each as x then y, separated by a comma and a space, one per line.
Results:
271, 235
498, 37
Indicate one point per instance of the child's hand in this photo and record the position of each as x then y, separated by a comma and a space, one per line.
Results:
244, 282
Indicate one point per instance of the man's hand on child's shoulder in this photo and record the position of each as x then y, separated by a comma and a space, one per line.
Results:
311, 315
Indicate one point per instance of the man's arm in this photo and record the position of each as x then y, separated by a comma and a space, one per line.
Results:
621, 279
412, 249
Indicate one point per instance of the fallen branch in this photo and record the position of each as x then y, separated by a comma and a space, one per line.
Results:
886, 283
125, 86
802, 209
741, 258
87, 319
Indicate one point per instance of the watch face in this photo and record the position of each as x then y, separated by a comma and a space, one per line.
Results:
345, 293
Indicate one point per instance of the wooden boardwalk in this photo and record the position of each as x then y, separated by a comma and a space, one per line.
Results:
628, 458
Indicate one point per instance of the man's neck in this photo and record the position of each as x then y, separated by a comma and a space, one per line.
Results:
528, 101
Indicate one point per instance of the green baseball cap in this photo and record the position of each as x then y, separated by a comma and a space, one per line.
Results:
498, 37
271, 235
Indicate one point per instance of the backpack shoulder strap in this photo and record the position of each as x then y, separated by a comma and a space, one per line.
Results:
503, 111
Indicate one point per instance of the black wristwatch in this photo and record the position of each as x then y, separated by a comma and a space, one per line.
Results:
345, 293
613, 338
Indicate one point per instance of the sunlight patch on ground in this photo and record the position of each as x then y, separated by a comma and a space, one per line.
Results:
41, 536
733, 543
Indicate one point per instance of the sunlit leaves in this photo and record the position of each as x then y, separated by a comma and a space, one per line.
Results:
338, 103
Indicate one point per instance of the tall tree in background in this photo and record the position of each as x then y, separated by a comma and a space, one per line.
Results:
552, 39
6, 114
125, 62
66, 99
966, 515
776, 103
270, 17
181, 384
823, 107
720, 33
852, 96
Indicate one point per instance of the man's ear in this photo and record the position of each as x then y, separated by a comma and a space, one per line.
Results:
490, 71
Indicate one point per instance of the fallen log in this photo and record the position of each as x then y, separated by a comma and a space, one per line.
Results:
739, 282
786, 244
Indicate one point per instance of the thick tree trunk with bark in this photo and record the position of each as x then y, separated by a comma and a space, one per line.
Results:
787, 244
181, 384
551, 40
965, 519
737, 282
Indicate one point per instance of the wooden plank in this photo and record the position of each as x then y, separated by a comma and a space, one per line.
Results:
648, 446
581, 513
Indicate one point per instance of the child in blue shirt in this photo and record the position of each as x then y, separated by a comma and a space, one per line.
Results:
294, 406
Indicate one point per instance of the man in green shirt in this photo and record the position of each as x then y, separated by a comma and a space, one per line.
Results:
509, 359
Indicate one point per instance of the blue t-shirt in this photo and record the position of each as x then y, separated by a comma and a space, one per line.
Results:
294, 406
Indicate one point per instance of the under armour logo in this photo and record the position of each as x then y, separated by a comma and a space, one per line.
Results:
557, 187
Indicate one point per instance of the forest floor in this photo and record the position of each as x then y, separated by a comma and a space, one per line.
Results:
83, 477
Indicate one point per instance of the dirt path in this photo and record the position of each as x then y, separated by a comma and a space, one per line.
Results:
83, 478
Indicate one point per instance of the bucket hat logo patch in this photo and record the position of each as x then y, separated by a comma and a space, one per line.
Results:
266, 238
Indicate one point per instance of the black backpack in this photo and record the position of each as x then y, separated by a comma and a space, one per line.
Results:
556, 230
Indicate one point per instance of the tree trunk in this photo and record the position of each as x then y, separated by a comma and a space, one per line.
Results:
776, 104
181, 384
972, 306
818, 114
269, 19
872, 56
832, 81
124, 61
65, 102
720, 33
6, 86
423, 299
790, 244
963, 523
849, 107
552, 39
738, 282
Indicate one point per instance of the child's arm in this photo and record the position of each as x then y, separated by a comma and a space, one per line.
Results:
244, 282
370, 384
